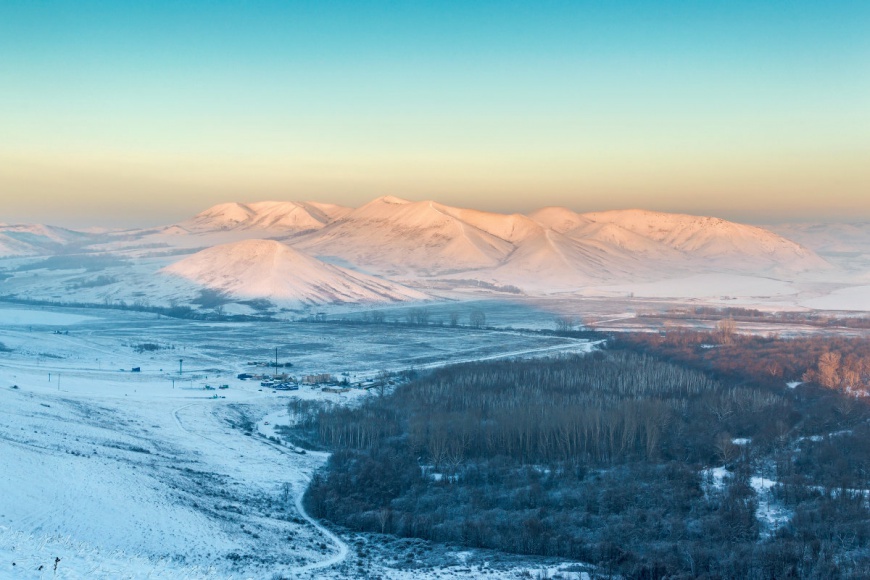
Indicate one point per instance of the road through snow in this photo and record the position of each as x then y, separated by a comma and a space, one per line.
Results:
342, 549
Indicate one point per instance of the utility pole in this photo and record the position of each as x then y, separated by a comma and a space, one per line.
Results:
276, 361
180, 371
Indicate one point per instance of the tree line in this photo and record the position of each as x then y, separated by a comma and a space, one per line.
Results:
605, 458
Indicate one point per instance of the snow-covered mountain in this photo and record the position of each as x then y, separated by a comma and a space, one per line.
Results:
282, 217
845, 244
272, 270
713, 241
36, 239
552, 249
421, 244
394, 237
828, 238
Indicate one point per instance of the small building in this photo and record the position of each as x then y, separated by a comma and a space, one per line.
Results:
317, 379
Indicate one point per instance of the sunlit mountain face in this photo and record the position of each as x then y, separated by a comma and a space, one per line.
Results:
391, 249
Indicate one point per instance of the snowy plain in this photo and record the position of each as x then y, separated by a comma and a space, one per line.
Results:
147, 474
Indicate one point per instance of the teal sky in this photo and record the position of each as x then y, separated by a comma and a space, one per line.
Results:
144, 112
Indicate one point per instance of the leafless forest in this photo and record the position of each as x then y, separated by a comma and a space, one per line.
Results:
609, 459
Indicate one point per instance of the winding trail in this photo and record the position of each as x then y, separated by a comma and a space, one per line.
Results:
340, 544
342, 549
185, 429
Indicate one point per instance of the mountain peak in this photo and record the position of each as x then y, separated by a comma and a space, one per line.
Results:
287, 217
392, 199
559, 219
269, 269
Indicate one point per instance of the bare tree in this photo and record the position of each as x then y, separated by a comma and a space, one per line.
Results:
418, 316
829, 369
726, 329
384, 516
565, 323
725, 447
286, 493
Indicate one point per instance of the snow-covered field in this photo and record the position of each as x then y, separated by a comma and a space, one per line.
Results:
148, 475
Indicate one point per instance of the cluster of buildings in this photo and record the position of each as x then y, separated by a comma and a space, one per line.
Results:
281, 381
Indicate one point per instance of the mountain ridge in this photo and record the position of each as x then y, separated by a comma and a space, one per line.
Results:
552, 250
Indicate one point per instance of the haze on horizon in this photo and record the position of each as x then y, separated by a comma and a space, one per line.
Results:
120, 114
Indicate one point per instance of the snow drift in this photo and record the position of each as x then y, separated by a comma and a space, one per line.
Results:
269, 269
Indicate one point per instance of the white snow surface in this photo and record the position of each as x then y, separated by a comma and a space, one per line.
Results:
395, 237
554, 249
280, 216
432, 249
148, 474
129, 477
851, 298
272, 270
711, 286
34, 239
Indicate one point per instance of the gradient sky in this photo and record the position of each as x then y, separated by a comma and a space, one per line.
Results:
139, 113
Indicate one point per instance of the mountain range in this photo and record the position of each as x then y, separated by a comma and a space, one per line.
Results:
392, 249
553, 249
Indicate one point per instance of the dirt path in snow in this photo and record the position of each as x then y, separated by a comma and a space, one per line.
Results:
341, 547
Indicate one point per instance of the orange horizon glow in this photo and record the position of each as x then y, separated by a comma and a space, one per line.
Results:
121, 115
128, 192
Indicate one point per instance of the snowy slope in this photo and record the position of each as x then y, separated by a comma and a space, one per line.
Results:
828, 239
559, 219
554, 249
36, 239
148, 475
226, 223
512, 228
11, 247
392, 236
279, 216
845, 244
270, 269
714, 241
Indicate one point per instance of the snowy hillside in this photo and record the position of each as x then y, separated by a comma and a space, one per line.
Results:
559, 219
551, 249
272, 270
392, 236
844, 244
35, 239
554, 249
362, 255
715, 241
277, 216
